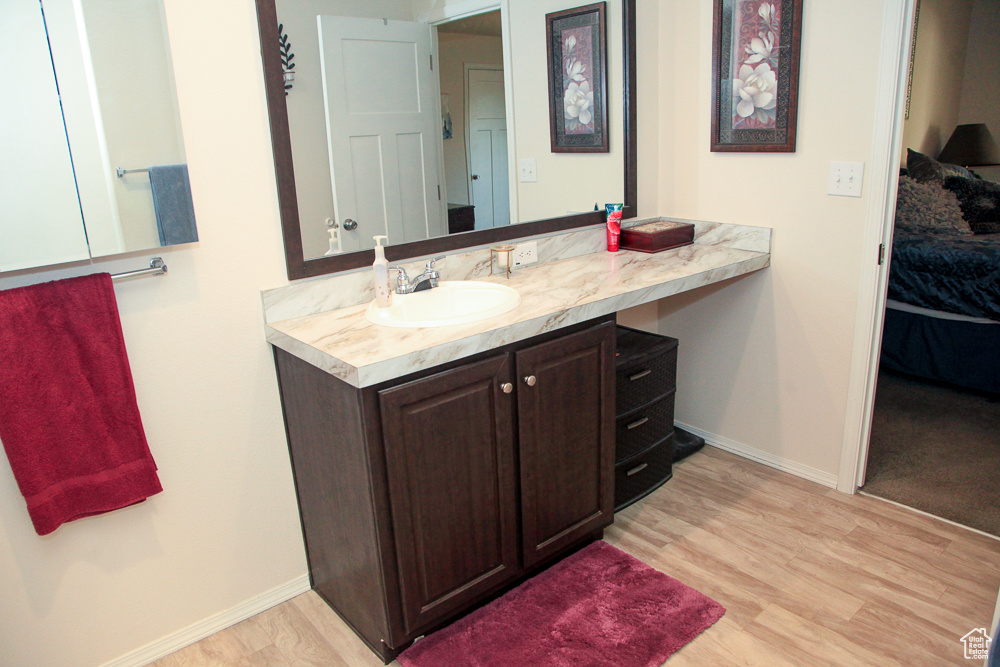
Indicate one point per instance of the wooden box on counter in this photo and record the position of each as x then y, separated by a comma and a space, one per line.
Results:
657, 235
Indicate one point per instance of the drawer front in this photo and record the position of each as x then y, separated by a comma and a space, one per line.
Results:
642, 382
642, 428
644, 473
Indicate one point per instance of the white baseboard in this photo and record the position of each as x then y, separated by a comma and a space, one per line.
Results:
754, 454
212, 624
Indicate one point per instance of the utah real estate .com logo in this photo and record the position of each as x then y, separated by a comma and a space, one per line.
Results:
977, 644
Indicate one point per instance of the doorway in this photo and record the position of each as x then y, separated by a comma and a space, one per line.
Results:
935, 433
486, 145
475, 103
893, 94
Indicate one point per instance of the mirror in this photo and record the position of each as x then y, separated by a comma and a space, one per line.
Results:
94, 159
302, 161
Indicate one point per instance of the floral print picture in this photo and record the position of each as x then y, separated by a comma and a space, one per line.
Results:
578, 70
578, 79
755, 86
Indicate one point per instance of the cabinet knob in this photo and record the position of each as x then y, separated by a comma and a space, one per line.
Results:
507, 387
530, 380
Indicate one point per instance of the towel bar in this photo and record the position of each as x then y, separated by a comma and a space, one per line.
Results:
156, 267
121, 172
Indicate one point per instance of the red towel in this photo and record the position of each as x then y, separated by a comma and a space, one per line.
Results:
68, 417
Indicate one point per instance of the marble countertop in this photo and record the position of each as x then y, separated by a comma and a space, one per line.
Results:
554, 294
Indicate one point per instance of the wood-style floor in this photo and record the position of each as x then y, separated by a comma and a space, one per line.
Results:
808, 576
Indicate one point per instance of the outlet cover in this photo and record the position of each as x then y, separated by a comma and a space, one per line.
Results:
527, 170
846, 178
525, 253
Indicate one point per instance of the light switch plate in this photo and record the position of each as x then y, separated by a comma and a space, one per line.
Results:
527, 170
846, 178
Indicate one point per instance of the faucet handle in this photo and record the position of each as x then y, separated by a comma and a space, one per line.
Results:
401, 276
430, 262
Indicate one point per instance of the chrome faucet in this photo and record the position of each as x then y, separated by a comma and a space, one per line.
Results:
428, 278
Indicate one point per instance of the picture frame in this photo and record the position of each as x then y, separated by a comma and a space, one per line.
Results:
576, 47
913, 58
755, 75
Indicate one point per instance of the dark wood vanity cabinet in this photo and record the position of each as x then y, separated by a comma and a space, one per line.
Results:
423, 496
449, 449
565, 422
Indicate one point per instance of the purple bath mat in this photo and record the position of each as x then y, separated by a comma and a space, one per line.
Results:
598, 607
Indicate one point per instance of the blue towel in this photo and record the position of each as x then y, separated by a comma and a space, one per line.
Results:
173, 205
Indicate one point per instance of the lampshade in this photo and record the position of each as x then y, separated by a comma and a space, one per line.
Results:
971, 145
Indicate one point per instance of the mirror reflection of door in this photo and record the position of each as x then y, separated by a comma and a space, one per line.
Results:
487, 145
383, 130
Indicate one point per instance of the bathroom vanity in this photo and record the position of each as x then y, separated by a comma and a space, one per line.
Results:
421, 496
435, 467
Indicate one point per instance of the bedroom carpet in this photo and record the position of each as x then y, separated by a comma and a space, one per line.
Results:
936, 449
599, 607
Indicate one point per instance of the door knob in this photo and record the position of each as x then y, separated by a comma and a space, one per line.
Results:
507, 387
530, 380
475, 177
350, 225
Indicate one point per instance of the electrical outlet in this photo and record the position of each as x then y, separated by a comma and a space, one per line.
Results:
846, 178
524, 254
527, 170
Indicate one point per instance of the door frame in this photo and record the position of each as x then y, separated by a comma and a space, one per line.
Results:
465, 9
890, 104
468, 130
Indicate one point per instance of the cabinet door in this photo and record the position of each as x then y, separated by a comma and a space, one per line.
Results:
450, 464
566, 418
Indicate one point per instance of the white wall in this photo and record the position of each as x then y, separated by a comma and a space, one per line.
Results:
226, 528
938, 66
764, 360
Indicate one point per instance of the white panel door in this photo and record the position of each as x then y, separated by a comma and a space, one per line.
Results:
487, 128
40, 219
383, 122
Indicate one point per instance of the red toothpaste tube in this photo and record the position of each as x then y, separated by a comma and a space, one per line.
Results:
614, 225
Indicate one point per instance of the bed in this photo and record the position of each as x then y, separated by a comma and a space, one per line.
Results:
942, 319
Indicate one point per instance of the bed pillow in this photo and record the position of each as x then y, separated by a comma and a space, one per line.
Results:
980, 202
926, 169
928, 208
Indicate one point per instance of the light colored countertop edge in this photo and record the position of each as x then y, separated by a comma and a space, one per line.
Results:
312, 296
554, 295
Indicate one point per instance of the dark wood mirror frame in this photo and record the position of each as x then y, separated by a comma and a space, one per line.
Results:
300, 267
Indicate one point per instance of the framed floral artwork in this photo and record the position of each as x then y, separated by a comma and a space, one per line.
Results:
578, 79
755, 75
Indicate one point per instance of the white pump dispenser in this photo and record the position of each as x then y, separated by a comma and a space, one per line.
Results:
383, 295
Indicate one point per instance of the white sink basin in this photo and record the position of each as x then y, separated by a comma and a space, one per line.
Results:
451, 302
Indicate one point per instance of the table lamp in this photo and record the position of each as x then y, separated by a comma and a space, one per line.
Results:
971, 145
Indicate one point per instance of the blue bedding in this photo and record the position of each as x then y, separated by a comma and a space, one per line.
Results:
956, 274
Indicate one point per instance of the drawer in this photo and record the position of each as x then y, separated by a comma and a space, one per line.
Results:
643, 473
644, 380
644, 427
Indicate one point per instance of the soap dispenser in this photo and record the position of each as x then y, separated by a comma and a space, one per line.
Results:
383, 295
